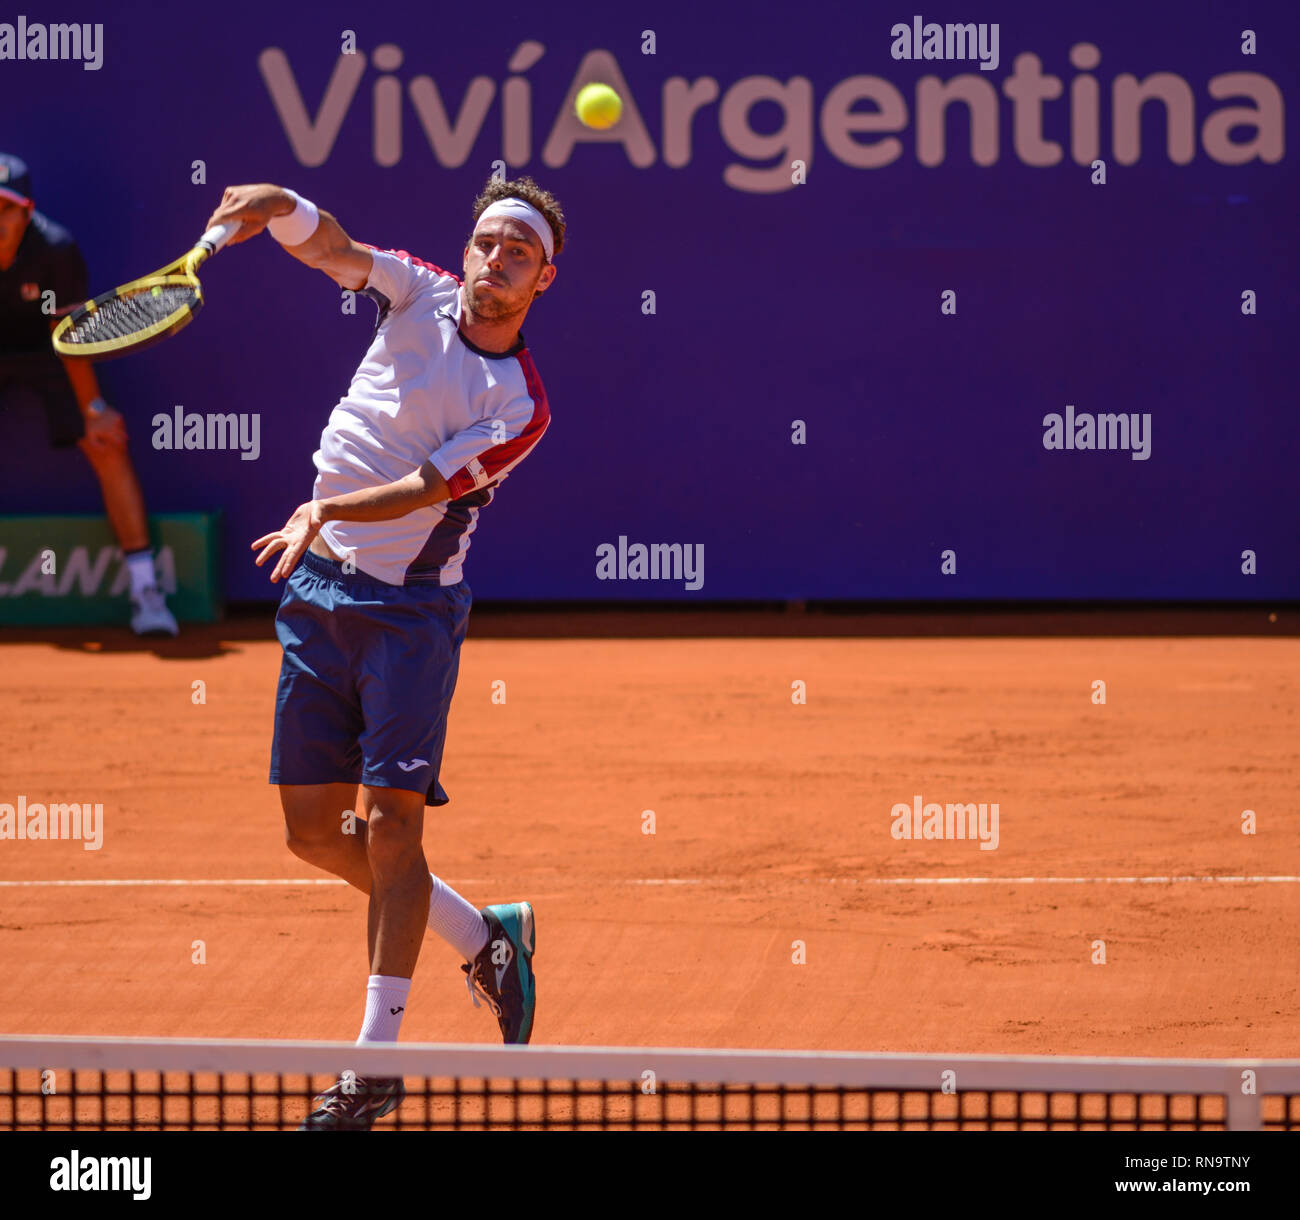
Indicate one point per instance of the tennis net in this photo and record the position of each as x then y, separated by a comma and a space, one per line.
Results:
121, 1084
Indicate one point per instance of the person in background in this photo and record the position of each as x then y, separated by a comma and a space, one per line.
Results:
38, 257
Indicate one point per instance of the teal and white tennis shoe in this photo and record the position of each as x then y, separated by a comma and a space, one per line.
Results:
503, 971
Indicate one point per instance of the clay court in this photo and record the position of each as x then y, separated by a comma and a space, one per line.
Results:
1119, 823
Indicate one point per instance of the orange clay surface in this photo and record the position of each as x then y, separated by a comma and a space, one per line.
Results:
772, 826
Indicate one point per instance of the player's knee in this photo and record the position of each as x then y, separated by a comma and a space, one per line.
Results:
106, 459
303, 848
392, 841
310, 834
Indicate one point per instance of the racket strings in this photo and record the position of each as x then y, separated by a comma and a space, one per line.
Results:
131, 314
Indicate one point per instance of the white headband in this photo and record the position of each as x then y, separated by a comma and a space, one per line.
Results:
530, 216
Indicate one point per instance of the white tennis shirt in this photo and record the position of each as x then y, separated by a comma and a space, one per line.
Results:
424, 393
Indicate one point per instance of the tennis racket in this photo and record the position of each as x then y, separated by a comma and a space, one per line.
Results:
145, 311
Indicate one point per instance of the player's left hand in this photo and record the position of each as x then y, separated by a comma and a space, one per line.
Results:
293, 539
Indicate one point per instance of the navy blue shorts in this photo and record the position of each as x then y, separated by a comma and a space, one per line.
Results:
367, 678
39, 378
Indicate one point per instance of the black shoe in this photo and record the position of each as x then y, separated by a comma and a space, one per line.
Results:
503, 971
353, 1105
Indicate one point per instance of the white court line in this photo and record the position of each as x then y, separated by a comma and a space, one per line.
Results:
982, 880
291, 881
220, 881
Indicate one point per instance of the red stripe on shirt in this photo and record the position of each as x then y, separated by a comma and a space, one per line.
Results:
498, 457
419, 262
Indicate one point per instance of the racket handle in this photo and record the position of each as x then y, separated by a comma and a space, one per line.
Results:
218, 235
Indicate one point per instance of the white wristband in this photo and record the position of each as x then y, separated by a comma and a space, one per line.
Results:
298, 225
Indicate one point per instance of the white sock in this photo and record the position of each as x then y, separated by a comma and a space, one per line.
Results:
458, 923
140, 565
385, 1003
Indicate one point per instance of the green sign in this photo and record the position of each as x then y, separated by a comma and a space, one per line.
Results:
70, 570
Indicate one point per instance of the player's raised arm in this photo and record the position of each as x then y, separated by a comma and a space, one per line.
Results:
312, 236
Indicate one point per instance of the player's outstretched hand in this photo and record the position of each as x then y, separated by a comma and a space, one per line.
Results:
256, 205
293, 539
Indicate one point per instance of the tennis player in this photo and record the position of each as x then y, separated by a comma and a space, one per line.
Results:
445, 403
38, 256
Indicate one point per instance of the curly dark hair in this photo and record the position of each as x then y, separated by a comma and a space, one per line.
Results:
527, 190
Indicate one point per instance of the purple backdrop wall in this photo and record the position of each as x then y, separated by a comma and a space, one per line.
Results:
774, 302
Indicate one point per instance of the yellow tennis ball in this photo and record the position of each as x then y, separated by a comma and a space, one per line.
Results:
598, 106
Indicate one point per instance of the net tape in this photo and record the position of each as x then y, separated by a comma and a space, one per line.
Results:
204, 1085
